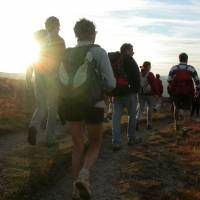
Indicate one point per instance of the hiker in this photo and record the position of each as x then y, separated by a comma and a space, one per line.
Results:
84, 113
195, 106
40, 38
160, 92
181, 79
147, 94
46, 85
127, 75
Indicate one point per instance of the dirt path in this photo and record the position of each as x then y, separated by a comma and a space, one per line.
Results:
165, 166
105, 175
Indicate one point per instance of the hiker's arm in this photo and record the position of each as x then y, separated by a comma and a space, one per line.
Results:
196, 80
107, 72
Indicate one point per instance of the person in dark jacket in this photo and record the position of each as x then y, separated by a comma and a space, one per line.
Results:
125, 95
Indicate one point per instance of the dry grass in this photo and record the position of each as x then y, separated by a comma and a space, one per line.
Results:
15, 106
31, 169
164, 167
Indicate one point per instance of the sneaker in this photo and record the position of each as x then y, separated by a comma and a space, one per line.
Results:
185, 130
116, 147
105, 120
75, 192
83, 184
32, 133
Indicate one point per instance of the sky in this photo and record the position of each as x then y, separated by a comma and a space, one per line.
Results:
158, 30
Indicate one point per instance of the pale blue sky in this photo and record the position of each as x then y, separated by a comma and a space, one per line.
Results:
158, 30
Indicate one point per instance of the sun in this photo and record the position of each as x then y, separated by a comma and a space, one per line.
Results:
23, 53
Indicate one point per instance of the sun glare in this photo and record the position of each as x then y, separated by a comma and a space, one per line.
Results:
27, 54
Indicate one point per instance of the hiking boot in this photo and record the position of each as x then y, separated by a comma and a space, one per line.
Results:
185, 130
75, 192
83, 184
116, 147
32, 133
105, 119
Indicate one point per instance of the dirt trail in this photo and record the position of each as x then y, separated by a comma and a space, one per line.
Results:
105, 175
165, 166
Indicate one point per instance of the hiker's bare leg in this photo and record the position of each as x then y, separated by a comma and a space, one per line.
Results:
77, 131
95, 133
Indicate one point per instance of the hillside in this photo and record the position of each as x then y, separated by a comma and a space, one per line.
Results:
16, 105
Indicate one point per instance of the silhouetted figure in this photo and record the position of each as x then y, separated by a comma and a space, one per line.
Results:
81, 116
125, 94
147, 94
160, 92
46, 83
182, 78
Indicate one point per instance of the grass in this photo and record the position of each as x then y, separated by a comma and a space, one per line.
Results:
30, 169
164, 167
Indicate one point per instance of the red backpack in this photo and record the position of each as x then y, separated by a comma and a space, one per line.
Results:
122, 83
182, 83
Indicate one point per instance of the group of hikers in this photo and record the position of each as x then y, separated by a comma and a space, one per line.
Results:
77, 83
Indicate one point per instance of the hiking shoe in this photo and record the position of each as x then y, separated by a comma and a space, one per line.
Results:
75, 192
32, 133
116, 147
105, 119
83, 184
185, 130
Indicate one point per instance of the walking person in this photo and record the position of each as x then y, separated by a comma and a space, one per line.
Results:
147, 94
125, 94
85, 117
183, 83
46, 83
160, 92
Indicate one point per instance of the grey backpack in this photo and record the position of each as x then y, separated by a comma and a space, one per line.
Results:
145, 87
80, 78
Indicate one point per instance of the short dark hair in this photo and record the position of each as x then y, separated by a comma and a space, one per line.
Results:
51, 23
183, 57
157, 75
124, 47
146, 64
84, 29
